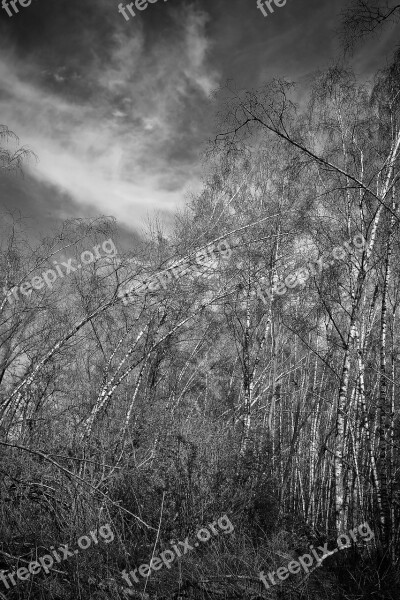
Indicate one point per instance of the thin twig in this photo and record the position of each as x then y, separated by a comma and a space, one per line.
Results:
155, 543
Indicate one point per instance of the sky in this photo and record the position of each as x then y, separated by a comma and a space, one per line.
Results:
119, 112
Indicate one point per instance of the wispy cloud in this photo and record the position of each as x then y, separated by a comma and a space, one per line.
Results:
121, 148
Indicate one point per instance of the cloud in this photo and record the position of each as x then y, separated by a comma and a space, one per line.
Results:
120, 145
